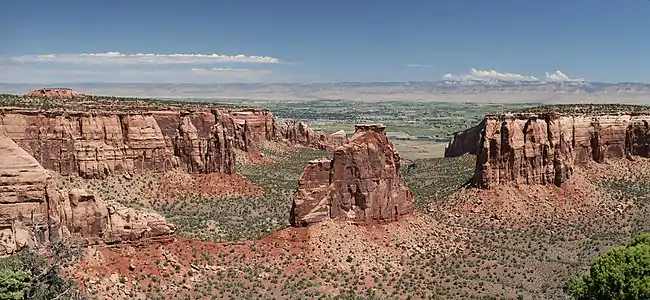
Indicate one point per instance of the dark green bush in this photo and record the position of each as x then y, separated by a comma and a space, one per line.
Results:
27, 275
622, 273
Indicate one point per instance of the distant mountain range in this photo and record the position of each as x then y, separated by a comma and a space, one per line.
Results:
445, 90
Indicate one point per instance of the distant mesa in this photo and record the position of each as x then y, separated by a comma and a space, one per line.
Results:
361, 183
64, 93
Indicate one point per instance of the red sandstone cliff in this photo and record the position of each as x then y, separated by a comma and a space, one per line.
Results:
97, 143
94, 145
545, 148
361, 183
34, 212
261, 125
465, 142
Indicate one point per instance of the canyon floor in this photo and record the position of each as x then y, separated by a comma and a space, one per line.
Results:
462, 243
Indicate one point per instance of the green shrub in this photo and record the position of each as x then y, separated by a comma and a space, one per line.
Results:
27, 275
622, 273
13, 284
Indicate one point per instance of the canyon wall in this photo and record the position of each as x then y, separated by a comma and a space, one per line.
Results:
465, 142
95, 144
545, 148
361, 183
33, 212
261, 125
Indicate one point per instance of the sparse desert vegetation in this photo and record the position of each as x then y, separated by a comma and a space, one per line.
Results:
459, 246
589, 109
515, 242
99, 103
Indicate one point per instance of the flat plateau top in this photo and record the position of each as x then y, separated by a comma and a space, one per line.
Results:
589, 109
106, 104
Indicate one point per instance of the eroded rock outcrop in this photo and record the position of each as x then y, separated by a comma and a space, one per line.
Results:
64, 93
465, 142
33, 212
24, 187
261, 125
98, 143
544, 148
361, 183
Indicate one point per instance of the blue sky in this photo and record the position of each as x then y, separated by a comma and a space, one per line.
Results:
315, 41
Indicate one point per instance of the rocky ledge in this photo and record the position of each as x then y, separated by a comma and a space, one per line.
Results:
361, 183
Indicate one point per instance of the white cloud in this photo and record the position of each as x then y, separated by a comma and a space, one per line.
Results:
492, 74
450, 77
558, 76
144, 58
227, 70
477, 74
481, 75
417, 66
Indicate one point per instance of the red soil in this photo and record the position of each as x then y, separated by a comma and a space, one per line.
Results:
213, 184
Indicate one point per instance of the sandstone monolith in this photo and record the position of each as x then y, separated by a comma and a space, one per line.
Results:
361, 183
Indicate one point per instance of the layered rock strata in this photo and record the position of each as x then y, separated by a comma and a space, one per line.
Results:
261, 125
545, 148
94, 144
33, 212
361, 183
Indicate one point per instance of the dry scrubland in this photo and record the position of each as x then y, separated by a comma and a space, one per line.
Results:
462, 243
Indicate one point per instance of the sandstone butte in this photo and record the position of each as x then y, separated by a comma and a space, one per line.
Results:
545, 148
96, 143
53, 93
361, 183
33, 212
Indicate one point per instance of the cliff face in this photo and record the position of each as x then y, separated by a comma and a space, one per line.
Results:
34, 212
96, 144
544, 149
263, 126
23, 197
361, 183
465, 142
